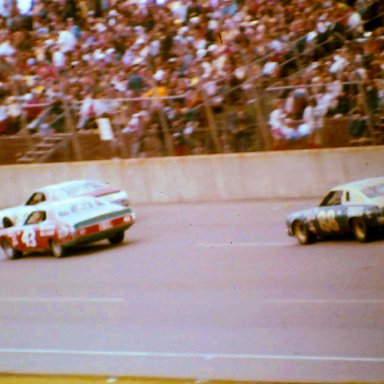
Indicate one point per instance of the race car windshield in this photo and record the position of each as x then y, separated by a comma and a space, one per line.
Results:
333, 198
374, 191
36, 198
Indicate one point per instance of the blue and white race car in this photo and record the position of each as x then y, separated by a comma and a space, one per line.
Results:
356, 207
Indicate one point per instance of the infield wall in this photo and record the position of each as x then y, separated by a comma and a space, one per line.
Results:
262, 175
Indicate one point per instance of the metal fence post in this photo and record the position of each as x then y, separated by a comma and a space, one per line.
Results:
211, 122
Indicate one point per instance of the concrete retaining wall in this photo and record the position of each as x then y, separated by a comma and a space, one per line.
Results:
285, 174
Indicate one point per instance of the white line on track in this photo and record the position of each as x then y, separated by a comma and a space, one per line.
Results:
61, 299
206, 356
253, 244
324, 301
120, 300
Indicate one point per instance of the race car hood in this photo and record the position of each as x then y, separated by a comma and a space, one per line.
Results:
17, 214
305, 213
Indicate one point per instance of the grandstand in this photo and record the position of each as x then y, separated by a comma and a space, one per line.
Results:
99, 79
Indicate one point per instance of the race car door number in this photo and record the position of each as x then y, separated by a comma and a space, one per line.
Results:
327, 221
29, 238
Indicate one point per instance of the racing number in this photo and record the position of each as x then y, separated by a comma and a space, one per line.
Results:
29, 238
327, 221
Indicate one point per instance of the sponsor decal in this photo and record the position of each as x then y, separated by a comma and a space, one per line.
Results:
47, 230
63, 232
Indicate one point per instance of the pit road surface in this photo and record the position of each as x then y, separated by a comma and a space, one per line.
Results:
207, 291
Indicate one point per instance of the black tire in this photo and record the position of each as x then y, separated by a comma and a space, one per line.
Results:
57, 249
302, 233
9, 251
360, 230
117, 238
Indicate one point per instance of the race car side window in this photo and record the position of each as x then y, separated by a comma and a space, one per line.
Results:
7, 222
36, 217
333, 198
36, 198
347, 197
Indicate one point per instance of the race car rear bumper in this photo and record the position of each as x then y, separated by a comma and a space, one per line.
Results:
97, 236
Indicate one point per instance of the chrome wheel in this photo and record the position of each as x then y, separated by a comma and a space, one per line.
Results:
360, 230
9, 251
302, 233
57, 249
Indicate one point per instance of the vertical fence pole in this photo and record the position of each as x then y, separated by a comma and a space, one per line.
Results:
70, 126
166, 129
163, 120
262, 119
211, 122
120, 135
363, 94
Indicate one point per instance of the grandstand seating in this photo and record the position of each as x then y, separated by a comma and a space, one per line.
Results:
232, 87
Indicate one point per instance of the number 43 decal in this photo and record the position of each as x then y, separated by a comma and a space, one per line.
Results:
29, 238
327, 221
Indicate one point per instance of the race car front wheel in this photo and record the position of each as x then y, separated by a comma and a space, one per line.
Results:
57, 249
360, 230
302, 233
9, 251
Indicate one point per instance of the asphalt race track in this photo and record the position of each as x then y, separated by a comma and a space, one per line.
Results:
205, 291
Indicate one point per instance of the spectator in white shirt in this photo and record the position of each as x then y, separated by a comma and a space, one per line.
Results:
308, 126
66, 41
278, 123
58, 58
6, 48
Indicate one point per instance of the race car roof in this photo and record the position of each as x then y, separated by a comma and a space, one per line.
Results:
69, 200
68, 184
75, 209
359, 184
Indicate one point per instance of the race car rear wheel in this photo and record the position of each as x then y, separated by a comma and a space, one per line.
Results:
57, 249
117, 238
360, 230
302, 233
9, 251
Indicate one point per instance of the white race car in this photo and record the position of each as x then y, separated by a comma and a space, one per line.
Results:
59, 225
61, 191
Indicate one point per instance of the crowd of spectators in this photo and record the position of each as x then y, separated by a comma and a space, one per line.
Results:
197, 54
